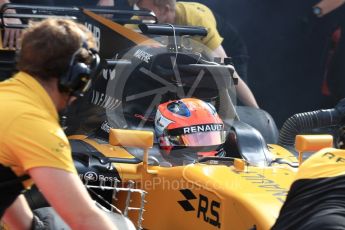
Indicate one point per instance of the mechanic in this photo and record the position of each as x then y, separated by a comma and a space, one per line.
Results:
11, 37
330, 15
316, 199
196, 14
53, 63
233, 43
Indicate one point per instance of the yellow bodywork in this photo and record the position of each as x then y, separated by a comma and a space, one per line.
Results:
205, 196
224, 198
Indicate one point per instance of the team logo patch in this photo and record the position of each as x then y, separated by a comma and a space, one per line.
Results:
90, 176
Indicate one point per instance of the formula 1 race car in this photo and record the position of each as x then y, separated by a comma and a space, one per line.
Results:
161, 122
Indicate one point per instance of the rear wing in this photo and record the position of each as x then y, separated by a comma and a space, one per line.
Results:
106, 24
108, 29
110, 34
26, 12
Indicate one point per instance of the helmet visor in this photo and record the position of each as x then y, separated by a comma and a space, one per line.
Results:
199, 139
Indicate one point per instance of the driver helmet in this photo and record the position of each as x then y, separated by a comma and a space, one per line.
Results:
188, 127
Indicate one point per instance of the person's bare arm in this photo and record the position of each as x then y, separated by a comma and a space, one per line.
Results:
68, 196
244, 93
219, 52
18, 215
106, 3
328, 6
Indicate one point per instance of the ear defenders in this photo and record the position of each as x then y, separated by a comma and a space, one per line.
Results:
77, 79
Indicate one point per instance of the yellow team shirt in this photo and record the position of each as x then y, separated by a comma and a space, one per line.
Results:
30, 134
196, 14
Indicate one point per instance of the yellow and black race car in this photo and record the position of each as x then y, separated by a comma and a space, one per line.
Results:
215, 174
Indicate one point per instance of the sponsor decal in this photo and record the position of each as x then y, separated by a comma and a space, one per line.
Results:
143, 55
104, 100
109, 73
90, 176
108, 178
207, 209
268, 185
202, 128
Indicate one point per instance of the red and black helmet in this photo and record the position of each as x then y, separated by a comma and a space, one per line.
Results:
188, 125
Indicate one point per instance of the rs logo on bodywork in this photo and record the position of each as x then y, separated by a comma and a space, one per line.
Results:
207, 209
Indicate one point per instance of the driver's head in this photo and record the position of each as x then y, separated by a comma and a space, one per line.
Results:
188, 127
163, 9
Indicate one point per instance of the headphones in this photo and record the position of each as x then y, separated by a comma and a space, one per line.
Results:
77, 79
